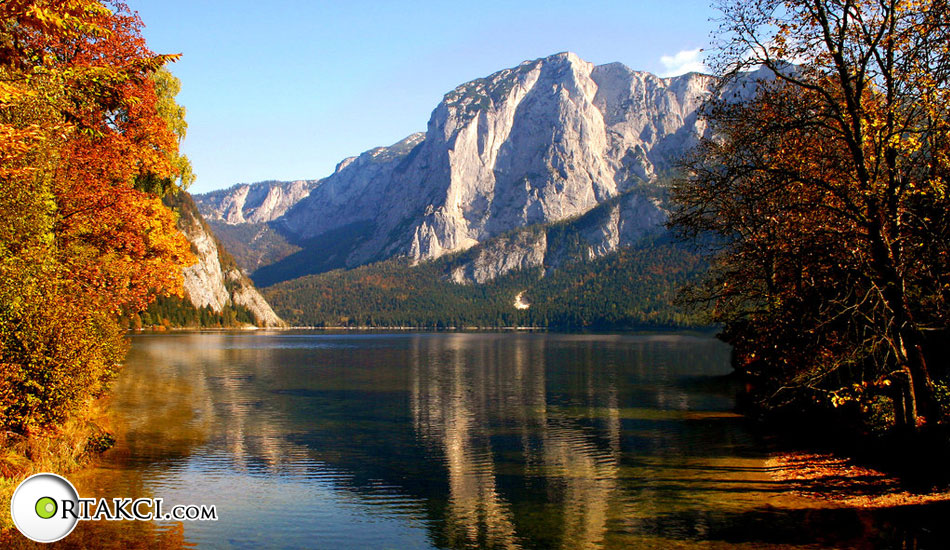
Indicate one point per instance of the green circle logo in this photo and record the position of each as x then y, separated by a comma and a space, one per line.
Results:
46, 507
36, 507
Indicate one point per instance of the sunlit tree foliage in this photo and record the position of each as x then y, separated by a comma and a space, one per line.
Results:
825, 195
87, 144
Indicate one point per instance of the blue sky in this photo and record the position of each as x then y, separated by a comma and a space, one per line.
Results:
284, 90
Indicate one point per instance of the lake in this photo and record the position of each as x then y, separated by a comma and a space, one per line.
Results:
454, 440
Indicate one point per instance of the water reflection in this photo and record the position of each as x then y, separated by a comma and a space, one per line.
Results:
548, 413
452, 441
462, 397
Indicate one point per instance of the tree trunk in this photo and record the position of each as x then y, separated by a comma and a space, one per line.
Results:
910, 401
905, 339
922, 385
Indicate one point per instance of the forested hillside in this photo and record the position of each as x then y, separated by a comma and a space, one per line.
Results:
631, 288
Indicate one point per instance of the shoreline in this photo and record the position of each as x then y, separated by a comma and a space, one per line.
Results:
840, 481
710, 331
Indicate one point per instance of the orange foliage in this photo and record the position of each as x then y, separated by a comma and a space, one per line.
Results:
82, 237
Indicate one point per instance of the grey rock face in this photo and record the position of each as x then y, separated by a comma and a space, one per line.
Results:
620, 224
603, 230
538, 143
203, 281
253, 203
359, 192
522, 250
209, 284
546, 141
244, 294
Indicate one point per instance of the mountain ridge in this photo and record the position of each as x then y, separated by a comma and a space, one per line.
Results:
545, 141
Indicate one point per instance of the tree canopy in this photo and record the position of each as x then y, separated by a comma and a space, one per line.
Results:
824, 192
88, 142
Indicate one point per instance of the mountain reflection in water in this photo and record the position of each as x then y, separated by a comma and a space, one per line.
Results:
455, 441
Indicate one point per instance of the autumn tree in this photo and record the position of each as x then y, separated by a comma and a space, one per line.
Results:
86, 149
823, 191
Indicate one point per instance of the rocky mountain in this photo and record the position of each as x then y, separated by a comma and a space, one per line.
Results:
252, 203
215, 281
619, 222
548, 141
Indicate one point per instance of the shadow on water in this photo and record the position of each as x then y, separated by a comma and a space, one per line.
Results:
459, 441
899, 527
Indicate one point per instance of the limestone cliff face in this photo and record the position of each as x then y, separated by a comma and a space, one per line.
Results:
215, 280
538, 143
522, 250
550, 140
620, 222
244, 294
362, 192
253, 203
204, 281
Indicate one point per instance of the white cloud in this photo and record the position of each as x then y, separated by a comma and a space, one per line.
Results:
683, 62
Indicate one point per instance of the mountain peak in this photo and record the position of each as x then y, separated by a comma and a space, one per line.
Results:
569, 57
560, 57
543, 141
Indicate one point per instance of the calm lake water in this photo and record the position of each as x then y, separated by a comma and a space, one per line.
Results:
408, 441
